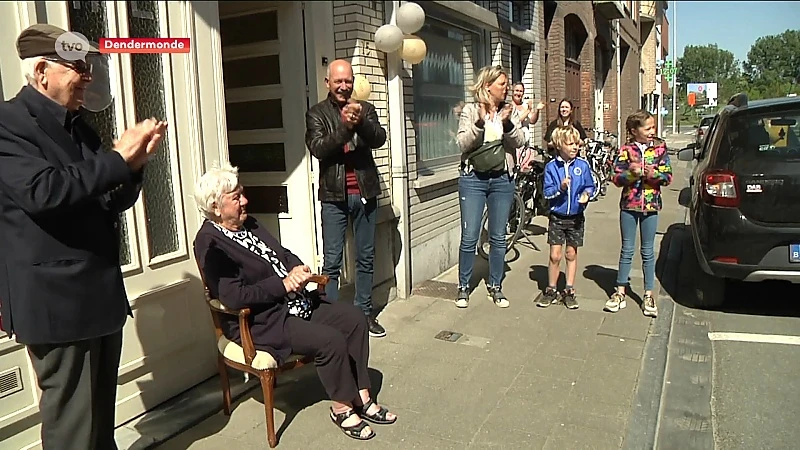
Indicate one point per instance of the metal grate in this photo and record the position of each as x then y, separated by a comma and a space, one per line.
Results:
436, 289
10, 382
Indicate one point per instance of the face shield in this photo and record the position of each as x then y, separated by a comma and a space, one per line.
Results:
100, 92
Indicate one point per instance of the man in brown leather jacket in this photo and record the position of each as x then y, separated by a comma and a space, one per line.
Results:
342, 132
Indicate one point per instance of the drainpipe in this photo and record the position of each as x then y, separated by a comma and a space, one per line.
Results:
620, 126
399, 162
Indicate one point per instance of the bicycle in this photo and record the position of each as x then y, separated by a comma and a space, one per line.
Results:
601, 155
528, 203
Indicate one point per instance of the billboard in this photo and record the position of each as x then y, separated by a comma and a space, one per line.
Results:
702, 94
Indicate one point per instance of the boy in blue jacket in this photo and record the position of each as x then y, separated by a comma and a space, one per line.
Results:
568, 185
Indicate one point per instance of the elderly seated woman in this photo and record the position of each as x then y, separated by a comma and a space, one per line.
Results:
246, 267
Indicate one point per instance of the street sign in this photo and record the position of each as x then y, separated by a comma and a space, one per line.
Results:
669, 70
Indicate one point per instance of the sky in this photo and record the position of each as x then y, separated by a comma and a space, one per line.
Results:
732, 25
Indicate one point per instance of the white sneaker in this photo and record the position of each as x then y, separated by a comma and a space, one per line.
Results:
649, 307
615, 303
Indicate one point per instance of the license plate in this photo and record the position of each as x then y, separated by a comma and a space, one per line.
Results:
794, 253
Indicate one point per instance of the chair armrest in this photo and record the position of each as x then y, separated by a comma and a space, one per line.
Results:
247, 339
321, 280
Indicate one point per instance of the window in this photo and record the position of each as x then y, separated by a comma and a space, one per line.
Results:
516, 64
90, 19
441, 86
517, 12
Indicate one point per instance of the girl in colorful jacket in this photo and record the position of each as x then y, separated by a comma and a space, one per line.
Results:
641, 169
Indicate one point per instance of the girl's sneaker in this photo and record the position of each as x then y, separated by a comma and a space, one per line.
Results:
649, 306
615, 303
462, 301
497, 297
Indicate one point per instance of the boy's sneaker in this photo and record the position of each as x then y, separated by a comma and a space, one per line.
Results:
615, 303
649, 306
568, 297
547, 298
462, 301
496, 296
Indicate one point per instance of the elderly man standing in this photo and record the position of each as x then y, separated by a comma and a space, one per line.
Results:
61, 286
341, 132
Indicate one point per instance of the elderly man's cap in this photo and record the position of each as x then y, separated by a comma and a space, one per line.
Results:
40, 40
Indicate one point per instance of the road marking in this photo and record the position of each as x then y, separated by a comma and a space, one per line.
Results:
758, 338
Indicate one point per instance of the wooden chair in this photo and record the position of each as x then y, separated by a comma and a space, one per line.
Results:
247, 359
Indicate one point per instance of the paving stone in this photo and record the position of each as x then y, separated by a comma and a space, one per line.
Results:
557, 367
575, 437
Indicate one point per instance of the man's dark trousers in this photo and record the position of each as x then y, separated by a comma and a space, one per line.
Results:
76, 378
334, 225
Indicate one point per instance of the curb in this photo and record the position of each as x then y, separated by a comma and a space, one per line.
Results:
643, 418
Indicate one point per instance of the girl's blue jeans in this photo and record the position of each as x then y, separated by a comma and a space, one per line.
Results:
629, 221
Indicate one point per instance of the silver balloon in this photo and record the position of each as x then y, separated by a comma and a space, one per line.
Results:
410, 18
388, 38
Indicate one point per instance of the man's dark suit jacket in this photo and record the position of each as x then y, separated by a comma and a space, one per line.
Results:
60, 279
241, 279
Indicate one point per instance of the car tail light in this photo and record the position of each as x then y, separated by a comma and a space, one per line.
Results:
727, 259
719, 189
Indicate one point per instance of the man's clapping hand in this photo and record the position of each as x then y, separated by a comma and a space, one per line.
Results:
297, 278
351, 113
138, 143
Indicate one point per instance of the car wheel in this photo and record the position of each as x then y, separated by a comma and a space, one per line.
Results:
702, 290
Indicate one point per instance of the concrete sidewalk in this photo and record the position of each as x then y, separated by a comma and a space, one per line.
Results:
522, 377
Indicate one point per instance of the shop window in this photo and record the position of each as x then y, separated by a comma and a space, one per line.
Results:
441, 87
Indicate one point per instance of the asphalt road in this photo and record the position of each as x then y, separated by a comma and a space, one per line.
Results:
755, 399
739, 389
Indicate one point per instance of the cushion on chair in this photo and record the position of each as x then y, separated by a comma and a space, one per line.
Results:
234, 352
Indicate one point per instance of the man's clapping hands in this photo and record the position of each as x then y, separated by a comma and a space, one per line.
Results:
138, 143
297, 278
351, 113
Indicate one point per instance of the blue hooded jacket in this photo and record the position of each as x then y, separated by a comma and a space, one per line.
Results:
566, 203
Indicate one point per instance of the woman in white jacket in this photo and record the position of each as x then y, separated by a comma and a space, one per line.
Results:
488, 136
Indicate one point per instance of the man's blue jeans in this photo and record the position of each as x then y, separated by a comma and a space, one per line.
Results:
334, 225
629, 221
496, 193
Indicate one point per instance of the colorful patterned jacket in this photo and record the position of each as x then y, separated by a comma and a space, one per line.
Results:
638, 193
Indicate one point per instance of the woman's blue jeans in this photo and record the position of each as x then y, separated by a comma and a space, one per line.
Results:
629, 221
476, 191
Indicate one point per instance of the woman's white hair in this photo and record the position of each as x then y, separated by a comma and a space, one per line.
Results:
28, 68
216, 182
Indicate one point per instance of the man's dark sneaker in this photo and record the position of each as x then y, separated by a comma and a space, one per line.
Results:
375, 329
497, 297
568, 297
547, 298
462, 301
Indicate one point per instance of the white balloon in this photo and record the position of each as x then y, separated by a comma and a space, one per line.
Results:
388, 38
361, 88
410, 18
414, 49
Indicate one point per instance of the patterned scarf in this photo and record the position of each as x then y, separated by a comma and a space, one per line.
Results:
298, 302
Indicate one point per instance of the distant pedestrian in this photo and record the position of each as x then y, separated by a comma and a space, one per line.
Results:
568, 185
641, 169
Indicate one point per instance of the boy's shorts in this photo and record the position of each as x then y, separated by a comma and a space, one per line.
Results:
566, 229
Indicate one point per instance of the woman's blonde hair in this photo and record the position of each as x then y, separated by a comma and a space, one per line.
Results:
487, 75
565, 135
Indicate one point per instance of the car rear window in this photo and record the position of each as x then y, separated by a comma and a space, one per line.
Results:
770, 134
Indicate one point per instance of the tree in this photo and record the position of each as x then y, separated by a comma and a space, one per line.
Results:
706, 64
773, 65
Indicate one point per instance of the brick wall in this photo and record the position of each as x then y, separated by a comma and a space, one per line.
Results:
649, 56
556, 78
354, 25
